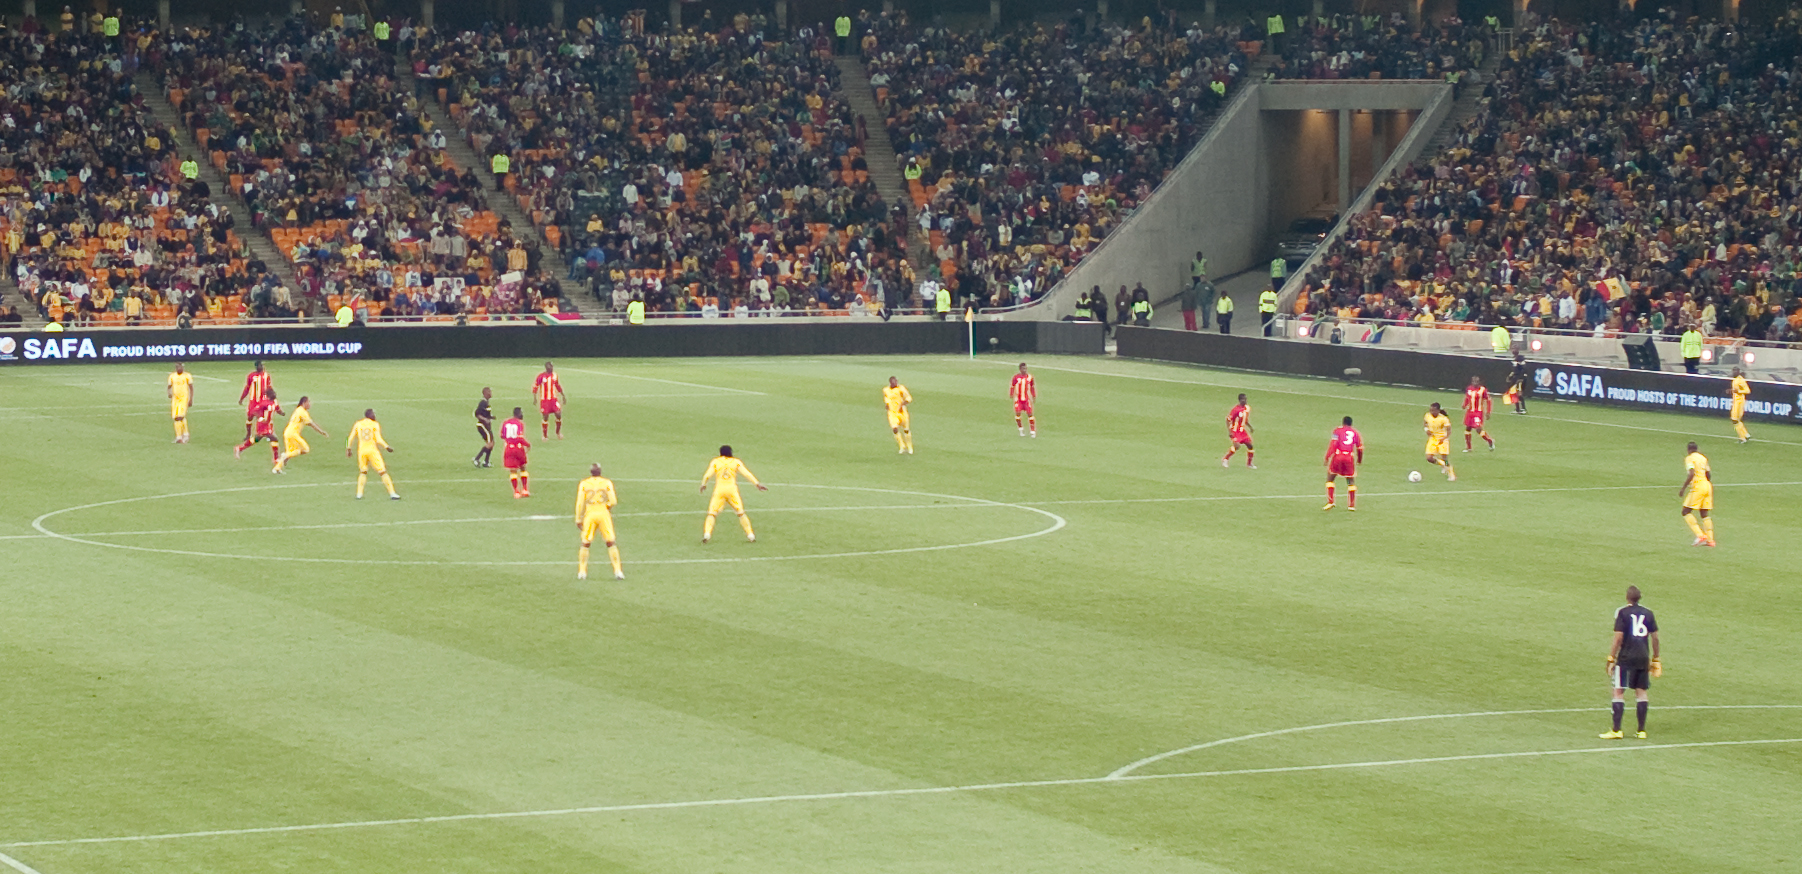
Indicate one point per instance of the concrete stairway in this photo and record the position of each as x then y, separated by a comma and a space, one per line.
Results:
260, 243
503, 204
879, 153
1469, 104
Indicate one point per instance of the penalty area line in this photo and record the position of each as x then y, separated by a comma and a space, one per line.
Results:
883, 793
719, 388
17, 865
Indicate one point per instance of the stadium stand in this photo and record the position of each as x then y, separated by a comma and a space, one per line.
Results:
1626, 176
97, 225
339, 166
712, 169
1379, 47
1024, 149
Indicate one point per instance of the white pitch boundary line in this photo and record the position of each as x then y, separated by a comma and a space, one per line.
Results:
17, 865
1123, 772
937, 790
1279, 391
1386, 494
720, 388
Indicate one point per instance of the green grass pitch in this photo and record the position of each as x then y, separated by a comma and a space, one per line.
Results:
924, 664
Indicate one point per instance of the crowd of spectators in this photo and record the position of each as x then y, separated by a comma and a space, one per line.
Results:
339, 165
1380, 47
1631, 176
1025, 148
97, 225
712, 169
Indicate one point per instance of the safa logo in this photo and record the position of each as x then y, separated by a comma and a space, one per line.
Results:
8, 346
1543, 376
66, 347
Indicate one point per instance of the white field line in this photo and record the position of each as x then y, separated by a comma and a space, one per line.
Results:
717, 388
1279, 391
1019, 504
938, 790
22, 414
17, 865
1057, 523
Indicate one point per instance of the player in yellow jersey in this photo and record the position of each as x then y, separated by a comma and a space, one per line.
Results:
367, 444
724, 473
1741, 390
1439, 441
595, 500
292, 443
181, 397
896, 398
1697, 493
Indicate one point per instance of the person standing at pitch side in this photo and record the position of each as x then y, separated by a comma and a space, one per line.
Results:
1632, 661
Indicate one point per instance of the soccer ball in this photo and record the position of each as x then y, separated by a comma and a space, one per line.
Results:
1413, 476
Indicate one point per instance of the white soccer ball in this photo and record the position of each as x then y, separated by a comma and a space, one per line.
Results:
1413, 476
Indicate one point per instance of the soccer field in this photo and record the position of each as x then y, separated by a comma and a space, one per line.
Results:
1095, 650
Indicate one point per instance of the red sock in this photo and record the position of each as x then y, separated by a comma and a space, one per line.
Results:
1229, 453
1248, 454
245, 445
274, 452
545, 427
1488, 439
559, 427
1351, 496
513, 478
1329, 493
1467, 440
524, 483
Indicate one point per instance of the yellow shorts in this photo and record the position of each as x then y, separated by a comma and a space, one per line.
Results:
597, 520
1438, 446
897, 420
294, 444
178, 410
722, 498
1738, 412
1700, 497
367, 461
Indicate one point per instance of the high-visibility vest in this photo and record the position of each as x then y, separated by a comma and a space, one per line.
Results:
110, 26
1224, 305
1267, 301
381, 30
1198, 268
1278, 268
912, 172
1499, 340
501, 163
345, 316
1692, 343
1218, 87
1493, 22
635, 312
1274, 25
943, 304
1142, 308
842, 26
190, 169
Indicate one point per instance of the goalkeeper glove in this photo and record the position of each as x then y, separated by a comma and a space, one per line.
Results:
1657, 668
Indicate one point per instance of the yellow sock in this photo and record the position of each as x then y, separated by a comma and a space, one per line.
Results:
707, 527
1448, 470
613, 556
900, 442
582, 561
178, 427
362, 479
388, 483
1693, 524
910, 439
1740, 429
1708, 527
745, 523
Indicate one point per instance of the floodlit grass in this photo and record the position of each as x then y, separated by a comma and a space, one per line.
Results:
193, 645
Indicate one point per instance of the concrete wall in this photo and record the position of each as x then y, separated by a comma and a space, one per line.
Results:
1261, 164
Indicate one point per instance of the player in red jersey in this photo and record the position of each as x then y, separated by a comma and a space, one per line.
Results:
257, 384
513, 434
1023, 390
262, 414
1238, 433
1343, 456
1477, 404
549, 393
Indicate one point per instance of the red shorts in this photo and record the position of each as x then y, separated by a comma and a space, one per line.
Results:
266, 430
1473, 420
1241, 437
1342, 465
1023, 407
513, 459
549, 407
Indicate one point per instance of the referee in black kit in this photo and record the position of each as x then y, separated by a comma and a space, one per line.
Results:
1632, 660
484, 428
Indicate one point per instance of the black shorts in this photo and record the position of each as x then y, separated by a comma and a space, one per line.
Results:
485, 432
1632, 678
